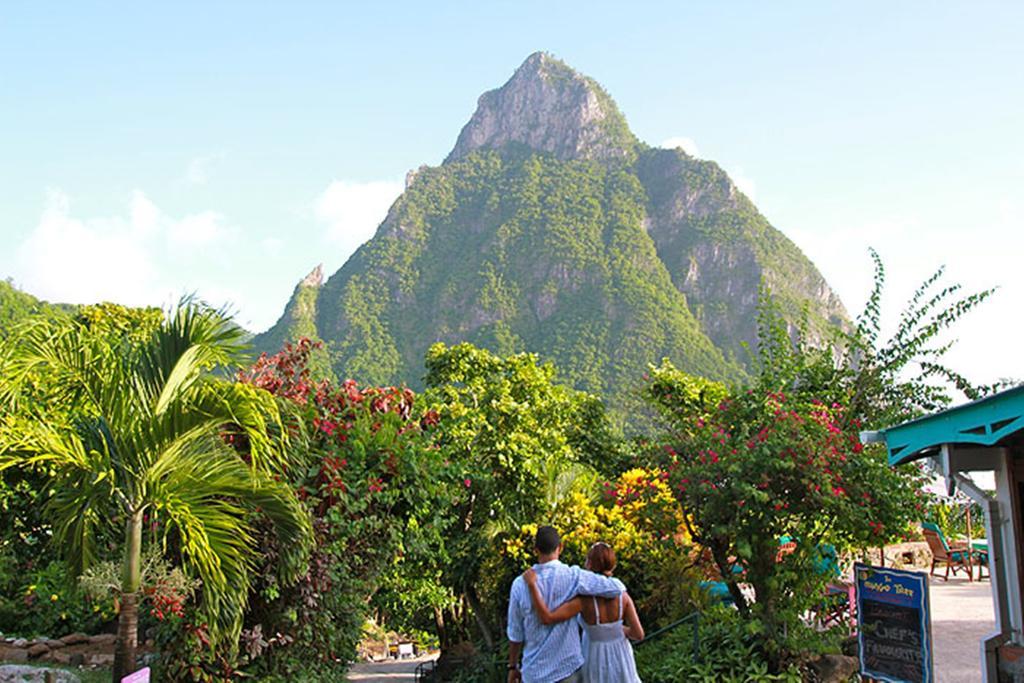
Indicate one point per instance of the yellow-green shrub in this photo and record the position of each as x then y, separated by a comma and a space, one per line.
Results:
639, 518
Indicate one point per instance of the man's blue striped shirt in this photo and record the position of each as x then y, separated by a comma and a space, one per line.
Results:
551, 653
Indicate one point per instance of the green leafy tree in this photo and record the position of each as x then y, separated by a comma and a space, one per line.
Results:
881, 381
506, 430
145, 442
17, 306
31, 561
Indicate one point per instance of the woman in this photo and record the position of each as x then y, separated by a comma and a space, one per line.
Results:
607, 623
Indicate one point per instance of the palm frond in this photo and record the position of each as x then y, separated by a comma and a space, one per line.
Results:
208, 495
84, 482
193, 338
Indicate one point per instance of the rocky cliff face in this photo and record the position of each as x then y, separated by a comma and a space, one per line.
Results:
720, 250
550, 228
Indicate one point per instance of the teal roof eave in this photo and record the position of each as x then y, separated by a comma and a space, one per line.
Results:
984, 422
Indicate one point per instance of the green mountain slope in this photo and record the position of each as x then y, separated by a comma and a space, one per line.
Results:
16, 305
550, 228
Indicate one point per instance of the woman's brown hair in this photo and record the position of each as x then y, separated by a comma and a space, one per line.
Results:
601, 558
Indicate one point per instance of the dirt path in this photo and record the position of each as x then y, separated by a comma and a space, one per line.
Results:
402, 671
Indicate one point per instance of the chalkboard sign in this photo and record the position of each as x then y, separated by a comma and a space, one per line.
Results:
894, 625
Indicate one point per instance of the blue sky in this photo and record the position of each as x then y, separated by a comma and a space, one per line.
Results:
230, 147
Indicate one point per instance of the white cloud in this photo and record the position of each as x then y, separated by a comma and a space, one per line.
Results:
352, 210
687, 145
197, 230
70, 259
144, 214
139, 258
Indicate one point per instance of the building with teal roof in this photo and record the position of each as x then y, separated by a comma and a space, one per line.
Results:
986, 435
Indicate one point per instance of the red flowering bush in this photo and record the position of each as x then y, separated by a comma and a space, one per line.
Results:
359, 461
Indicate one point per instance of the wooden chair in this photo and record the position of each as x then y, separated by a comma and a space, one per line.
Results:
954, 557
980, 558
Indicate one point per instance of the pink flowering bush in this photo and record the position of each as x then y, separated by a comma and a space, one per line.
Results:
753, 468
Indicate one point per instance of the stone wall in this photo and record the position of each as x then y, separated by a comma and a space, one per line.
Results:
75, 649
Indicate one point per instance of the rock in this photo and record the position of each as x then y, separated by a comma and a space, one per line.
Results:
38, 650
716, 248
315, 278
103, 639
68, 658
20, 642
99, 659
74, 639
54, 644
35, 674
13, 654
834, 668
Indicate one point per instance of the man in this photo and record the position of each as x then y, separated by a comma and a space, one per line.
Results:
550, 654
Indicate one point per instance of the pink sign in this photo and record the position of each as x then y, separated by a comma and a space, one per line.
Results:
140, 676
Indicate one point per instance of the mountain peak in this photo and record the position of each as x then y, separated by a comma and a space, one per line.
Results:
315, 278
548, 107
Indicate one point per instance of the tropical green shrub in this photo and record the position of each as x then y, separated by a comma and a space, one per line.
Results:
511, 443
950, 515
728, 652
781, 459
751, 467
47, 602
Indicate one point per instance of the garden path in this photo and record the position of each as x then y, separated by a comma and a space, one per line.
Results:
962, 615
390, 671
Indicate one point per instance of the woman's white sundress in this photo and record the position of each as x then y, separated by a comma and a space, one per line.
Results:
608, 655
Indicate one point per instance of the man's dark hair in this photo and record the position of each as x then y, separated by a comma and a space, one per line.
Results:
547, 540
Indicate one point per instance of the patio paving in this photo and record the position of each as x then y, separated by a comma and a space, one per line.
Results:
390, 671
962, 615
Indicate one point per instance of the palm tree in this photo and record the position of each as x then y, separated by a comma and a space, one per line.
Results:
136, 432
